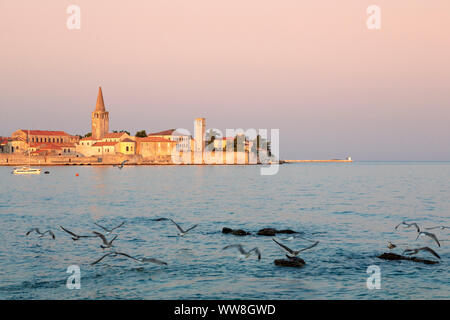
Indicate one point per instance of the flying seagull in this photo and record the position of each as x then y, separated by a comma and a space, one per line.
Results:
182, 231
41, 234
292, 253
438, 227
414, 251
107, 244
141, 260
408, 225
108, 231
120, 166
430, 235
244, 254
75, 236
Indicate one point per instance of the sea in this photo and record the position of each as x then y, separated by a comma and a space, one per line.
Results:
352, 209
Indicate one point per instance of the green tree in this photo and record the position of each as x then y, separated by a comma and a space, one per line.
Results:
127, 132
141, 134
87, 135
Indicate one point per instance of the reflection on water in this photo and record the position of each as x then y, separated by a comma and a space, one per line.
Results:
350, 208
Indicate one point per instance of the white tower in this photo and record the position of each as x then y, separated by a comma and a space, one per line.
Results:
199, 136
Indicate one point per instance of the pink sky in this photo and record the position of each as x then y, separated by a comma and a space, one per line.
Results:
310, 68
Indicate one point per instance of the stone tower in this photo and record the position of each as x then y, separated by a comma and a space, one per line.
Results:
199, 140
199, 134
100, 118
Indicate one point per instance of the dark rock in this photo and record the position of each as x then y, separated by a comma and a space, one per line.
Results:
287, 231
267, 232
237, 232
393, 256
290, 262
272, 232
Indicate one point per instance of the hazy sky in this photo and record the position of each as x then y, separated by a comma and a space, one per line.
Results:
309, 68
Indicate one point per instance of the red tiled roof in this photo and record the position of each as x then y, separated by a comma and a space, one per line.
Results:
127, 140
48, 146
45, 133
88, 139
104, 144
153, 139
163, 133
114, 135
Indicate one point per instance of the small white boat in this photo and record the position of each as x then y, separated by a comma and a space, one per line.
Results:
27, 170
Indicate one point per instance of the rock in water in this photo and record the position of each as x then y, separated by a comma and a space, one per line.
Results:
291, 262
272, 232
237, 232
287, 231
267, 232
393, 256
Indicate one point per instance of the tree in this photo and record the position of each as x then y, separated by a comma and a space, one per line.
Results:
128, 133
210, 137
141, 134
87, 135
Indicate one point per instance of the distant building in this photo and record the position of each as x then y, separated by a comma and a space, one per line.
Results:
183, 140
100, 118
4, 144
115, 137
155, 148
199, 134
43, 136
221, 143
55, 142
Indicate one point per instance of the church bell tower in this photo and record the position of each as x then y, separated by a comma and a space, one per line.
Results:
100, 118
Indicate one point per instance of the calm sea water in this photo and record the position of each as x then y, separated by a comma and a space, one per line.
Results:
350, 208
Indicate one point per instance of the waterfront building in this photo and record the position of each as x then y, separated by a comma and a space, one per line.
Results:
155, 148
24, 140
183, 140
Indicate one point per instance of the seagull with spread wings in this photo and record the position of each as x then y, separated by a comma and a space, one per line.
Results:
41, 234
106, 243
430, 235
415, 251
108, 231
141, 260
120, 166
293, 253
244, 254
438, 227
407, 225
182, 231
75, 236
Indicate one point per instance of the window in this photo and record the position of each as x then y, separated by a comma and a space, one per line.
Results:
127, 148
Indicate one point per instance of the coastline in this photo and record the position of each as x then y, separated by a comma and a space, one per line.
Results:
14, 161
